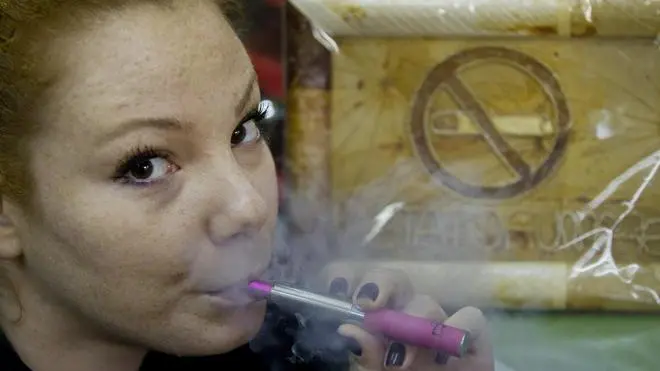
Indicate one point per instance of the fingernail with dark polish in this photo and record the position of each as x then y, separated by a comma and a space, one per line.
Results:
441, 358
368, 291
338, 287
353, 346
396, 354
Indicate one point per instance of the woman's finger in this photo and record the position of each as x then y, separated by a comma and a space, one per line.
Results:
401, 356
473, 321
368, 355
340, 280
383, 288
480, 357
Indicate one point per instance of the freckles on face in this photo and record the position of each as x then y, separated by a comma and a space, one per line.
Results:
151, 175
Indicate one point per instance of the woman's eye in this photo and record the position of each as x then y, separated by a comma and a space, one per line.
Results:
147, 170
246, 132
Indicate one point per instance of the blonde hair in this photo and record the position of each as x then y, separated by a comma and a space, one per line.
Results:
20, 88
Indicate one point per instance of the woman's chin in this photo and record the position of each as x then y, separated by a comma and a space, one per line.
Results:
230, 329
247, 321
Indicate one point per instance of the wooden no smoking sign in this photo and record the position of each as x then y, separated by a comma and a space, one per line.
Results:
446, 77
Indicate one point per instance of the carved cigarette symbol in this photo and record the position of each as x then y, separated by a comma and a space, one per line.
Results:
445, 76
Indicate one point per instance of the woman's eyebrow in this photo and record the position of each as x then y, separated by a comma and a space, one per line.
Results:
170, 124
247, 94
127, 127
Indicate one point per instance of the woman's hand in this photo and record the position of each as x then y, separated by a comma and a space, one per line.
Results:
392, 289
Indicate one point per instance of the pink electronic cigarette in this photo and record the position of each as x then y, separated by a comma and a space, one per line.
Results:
395, 325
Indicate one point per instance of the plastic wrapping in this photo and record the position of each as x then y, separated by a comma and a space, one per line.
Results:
502, 152
419, 18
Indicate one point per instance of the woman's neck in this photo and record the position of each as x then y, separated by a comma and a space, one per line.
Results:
49, 337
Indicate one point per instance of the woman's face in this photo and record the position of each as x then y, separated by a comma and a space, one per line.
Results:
155, 196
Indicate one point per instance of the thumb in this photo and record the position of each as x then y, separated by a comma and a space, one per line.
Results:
372, 350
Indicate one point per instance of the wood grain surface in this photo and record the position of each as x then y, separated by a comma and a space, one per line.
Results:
512, 156
564, 18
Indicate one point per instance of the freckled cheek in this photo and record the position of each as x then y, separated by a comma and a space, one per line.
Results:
114, 243
265, 180
159, 249
126, 246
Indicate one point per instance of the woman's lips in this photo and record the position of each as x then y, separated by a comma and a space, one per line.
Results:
238, 294
232, 297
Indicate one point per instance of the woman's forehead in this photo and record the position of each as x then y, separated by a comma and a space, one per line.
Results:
147, 39
151, 61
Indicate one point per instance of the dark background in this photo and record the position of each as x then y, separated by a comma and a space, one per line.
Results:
263, 35
283, 342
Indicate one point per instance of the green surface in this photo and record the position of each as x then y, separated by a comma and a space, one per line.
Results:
577, 342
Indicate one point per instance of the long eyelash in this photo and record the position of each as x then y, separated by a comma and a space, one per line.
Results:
258, 115
135, 155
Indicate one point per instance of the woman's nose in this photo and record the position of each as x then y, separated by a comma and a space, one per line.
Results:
242, 210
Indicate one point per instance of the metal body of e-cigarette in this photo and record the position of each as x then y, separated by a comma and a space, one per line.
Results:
395, 325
